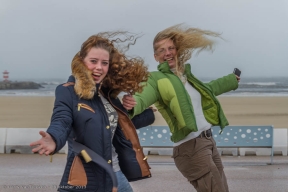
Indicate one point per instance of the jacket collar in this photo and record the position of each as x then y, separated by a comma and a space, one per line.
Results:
187, 69
164, 68
84, 83
72, 79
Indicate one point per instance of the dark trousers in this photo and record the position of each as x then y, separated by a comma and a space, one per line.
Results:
199, 161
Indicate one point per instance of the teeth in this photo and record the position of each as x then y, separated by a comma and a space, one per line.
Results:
169, 59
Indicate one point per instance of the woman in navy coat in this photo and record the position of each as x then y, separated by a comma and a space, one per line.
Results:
103, 133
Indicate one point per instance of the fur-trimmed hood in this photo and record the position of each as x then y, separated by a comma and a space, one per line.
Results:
97, 86
85, 86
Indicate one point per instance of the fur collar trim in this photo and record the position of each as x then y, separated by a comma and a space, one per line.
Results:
85, 86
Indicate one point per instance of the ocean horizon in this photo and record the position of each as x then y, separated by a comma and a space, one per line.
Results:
252, 86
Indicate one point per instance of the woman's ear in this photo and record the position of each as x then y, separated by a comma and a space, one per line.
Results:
156, 58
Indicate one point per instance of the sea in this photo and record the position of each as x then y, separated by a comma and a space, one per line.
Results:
268, 86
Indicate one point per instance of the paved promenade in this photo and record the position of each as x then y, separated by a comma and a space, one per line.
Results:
34, 173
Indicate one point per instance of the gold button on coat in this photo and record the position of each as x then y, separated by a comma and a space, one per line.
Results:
107, 127
109, 161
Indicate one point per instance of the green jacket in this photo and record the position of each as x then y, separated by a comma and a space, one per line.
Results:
167, 92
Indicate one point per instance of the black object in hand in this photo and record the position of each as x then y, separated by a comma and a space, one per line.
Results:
237, 72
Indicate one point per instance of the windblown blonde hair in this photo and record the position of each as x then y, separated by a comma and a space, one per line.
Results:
186, 41
124, 74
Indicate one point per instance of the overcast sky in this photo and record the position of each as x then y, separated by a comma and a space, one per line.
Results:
39, 38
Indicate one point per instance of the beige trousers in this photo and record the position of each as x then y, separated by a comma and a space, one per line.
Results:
199, 161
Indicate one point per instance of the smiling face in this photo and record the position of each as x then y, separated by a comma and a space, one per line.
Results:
97, 61
166, 51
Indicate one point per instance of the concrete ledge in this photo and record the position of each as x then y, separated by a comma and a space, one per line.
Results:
168, 151
19, 139
255, 151
279, 144
228, 151
2, 140
158, 151
280, 141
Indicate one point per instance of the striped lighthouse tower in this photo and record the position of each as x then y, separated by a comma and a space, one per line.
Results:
6, 75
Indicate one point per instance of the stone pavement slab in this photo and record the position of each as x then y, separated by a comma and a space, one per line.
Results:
35, 173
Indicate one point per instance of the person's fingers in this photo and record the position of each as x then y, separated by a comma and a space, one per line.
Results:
40, 152
131, 102
45, 145
238, 78
131, 98
43, 151
128, 98
35, 143
48, 148
36, 149
128, 102
47, 153
126, 106
42, 133
125, 99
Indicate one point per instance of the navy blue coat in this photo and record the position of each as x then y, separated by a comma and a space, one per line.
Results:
89, 121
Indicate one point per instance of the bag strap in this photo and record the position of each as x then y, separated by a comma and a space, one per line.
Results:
90, 155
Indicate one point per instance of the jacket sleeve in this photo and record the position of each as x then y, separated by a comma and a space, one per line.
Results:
61, 120
223, 85
146, 98
144, 119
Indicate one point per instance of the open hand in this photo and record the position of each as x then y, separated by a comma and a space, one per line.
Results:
45, 145
128, 102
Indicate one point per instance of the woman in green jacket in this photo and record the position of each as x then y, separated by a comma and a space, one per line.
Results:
189, 106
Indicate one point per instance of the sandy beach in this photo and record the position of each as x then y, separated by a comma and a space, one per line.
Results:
35, 111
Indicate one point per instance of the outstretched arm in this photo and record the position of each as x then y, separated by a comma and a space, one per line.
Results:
62, 117
45, 145
57, 133
137, 103
224, 84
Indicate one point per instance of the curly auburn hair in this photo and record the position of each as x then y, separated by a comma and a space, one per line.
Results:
186, 41
124, 74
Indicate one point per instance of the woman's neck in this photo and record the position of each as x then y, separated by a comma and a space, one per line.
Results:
173, 69
179, 74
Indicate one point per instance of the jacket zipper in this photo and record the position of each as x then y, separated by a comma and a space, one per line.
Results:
83, 105
106, 117
119, 108
187, 97
215, 100
121, 111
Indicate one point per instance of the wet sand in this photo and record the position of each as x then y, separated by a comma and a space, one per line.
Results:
35, 111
